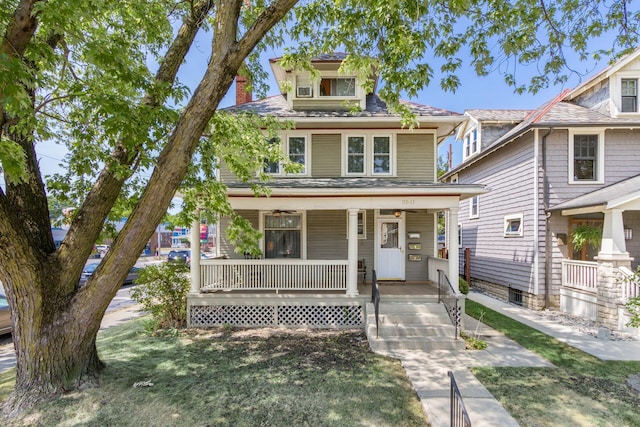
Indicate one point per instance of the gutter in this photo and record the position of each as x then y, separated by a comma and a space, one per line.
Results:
547, 230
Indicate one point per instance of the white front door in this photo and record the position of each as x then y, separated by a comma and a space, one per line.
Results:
390, 247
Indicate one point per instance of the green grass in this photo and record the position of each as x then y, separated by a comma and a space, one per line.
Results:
227, 377
581, 390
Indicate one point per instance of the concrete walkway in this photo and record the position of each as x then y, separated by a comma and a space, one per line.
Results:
428, 370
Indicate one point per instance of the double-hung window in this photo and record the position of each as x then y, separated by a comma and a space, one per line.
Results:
474, 207
298, 152
282, 235
629, 91
355, 155
370, 155
381, 155
471, 143
586, 157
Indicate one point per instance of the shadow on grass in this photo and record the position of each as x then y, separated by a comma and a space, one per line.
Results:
239, 378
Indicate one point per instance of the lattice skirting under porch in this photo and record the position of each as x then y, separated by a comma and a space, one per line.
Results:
317, 316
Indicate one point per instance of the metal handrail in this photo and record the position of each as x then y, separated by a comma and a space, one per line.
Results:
458, 412
375, 297
454, 311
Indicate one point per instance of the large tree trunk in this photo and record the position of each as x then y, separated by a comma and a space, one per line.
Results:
55, 322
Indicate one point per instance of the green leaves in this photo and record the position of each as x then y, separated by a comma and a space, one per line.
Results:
12, 160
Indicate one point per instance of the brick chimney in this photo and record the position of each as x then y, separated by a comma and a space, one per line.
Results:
242, 95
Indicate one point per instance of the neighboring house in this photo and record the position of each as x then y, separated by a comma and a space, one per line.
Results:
561, 170
366, 199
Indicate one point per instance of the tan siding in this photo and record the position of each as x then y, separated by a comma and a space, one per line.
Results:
325, 156
226, 248
416, 157
225, 174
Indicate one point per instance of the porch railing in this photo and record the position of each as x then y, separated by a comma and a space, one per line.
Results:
273, 274
581, 275
630, 288
449, 297
459, 415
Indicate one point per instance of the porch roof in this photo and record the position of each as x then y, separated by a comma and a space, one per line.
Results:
622, 195
357, 187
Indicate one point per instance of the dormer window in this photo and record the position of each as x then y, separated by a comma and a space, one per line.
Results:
629, 89
338, 86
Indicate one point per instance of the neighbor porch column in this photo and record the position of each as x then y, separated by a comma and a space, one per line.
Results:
454, 249
352, 254
613, 255
195, 254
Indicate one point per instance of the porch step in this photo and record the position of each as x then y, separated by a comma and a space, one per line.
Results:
411, 326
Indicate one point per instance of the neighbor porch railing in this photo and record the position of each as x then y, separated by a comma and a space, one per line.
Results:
630, 288
581, 275
273, 274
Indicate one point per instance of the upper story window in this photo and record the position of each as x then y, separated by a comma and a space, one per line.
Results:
629, 91
369, 155
471, 143
338, 86
474, 207
586, 157
296, 149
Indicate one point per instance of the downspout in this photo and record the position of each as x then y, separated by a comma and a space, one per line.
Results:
547, 229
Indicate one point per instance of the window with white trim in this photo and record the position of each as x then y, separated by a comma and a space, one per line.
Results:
369, 155
381, 155
629, 93
282, 235
471, 143
297, 149
338, 86
474, 207
362, 224
355, 154
513, 226
586, 157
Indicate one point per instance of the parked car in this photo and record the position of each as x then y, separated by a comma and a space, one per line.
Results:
5, 317
102, 250
88, 270
183, 255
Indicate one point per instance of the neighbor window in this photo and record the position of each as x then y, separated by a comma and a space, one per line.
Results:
381, 155
585, 157
471, 143
338, 86
355, 154
362, 224
282, 235
513, 226
474, 207
297, 151
629, 90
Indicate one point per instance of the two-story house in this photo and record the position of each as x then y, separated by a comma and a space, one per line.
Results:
366, 199
559, 175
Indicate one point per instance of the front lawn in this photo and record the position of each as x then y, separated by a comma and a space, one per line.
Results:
581, 391
227, 377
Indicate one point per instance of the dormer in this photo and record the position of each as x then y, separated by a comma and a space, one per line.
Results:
329, 90
613, 91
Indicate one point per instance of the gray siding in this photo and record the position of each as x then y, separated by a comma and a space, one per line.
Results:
416, 157
325, 155
509, 173
416, 271
622, 158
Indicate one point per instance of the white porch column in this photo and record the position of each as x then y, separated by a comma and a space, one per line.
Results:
613, 246
195, 254
454, 249
352, 268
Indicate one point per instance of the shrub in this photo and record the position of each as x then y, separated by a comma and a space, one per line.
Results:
633, 305
463, 286
162, 291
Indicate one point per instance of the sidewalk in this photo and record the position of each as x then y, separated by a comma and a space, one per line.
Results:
428, 370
